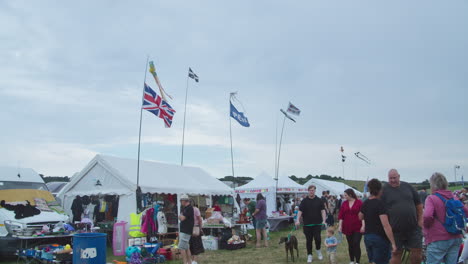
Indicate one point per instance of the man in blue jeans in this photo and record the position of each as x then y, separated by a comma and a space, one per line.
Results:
378, 236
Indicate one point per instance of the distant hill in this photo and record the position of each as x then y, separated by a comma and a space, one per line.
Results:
358, 185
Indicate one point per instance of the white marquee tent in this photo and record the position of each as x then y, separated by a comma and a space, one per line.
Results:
335, 188
266, 185
16, 174
117, 176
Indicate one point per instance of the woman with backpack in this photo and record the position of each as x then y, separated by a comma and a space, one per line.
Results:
442, 245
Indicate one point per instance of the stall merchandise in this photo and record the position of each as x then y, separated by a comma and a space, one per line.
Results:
46, 253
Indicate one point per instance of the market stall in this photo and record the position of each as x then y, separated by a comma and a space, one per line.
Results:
281, 197
160, 186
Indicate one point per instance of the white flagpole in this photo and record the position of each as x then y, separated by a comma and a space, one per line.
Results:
230, 133
276, 145
279, 155
141, 115
183, 130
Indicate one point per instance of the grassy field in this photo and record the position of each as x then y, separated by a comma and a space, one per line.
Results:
275, 253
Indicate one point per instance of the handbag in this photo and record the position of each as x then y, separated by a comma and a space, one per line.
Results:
196, 231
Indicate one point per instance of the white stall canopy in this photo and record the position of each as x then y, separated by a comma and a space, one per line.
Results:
335, 188
117, 176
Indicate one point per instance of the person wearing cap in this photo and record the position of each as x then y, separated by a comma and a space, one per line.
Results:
186, 218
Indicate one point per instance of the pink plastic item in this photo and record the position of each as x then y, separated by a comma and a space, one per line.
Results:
119, 239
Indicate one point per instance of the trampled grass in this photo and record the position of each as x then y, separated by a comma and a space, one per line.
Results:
275, 253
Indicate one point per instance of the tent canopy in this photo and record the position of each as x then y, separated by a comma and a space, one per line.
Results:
335, 188
25, 174
155, 177
117, 176
265, 183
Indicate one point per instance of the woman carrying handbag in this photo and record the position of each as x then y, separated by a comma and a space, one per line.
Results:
196, 244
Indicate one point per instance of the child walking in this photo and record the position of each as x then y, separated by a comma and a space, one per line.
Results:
331, 243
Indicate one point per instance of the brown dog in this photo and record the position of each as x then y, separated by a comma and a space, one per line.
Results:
290, 245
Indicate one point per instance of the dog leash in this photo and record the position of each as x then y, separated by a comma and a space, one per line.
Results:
314, 224
295, 228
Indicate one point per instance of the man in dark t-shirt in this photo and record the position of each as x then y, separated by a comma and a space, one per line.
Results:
312, 211
378, 236
187, 219
405, 215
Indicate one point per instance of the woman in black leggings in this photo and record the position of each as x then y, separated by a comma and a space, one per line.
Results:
350, 225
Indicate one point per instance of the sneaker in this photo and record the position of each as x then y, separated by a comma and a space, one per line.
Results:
352, 262
319, 255
309, 259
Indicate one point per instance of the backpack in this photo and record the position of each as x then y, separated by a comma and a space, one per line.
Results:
455, 217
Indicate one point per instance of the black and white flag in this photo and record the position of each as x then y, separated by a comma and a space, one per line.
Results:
192, 75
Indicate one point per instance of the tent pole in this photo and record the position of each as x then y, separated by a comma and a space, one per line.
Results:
279, 155
230, 135
139, 133
183, 130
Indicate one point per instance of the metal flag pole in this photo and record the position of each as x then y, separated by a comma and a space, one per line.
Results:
279, 148
141, 116
276, 145
183, 130
279, 155
230, 133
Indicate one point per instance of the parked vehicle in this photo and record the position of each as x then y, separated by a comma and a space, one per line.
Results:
20, 188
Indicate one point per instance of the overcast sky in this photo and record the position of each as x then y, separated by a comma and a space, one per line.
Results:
386, 78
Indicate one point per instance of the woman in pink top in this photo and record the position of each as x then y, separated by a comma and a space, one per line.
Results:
351, 225
442, 246
196, 243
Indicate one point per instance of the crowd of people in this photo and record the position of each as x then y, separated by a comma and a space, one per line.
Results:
394, 218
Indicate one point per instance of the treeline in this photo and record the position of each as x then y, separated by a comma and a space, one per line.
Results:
244, 180
54, 178
241, 180
303, 180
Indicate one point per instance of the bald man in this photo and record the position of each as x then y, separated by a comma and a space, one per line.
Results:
405, 215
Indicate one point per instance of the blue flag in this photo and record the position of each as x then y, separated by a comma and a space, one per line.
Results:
365, 185
239, 116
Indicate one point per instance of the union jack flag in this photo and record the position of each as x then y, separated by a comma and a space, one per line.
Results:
158, 106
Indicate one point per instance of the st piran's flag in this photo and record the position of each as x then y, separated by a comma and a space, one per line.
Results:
239, 116
192, 75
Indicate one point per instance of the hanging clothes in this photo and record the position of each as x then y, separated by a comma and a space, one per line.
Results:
148, 226
135, 226
89, 211
77, 209
162, 223
138, 199
155, 214
115, 207
98, 216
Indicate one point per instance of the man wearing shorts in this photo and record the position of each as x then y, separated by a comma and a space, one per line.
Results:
312, 210
405, 215
186, 218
